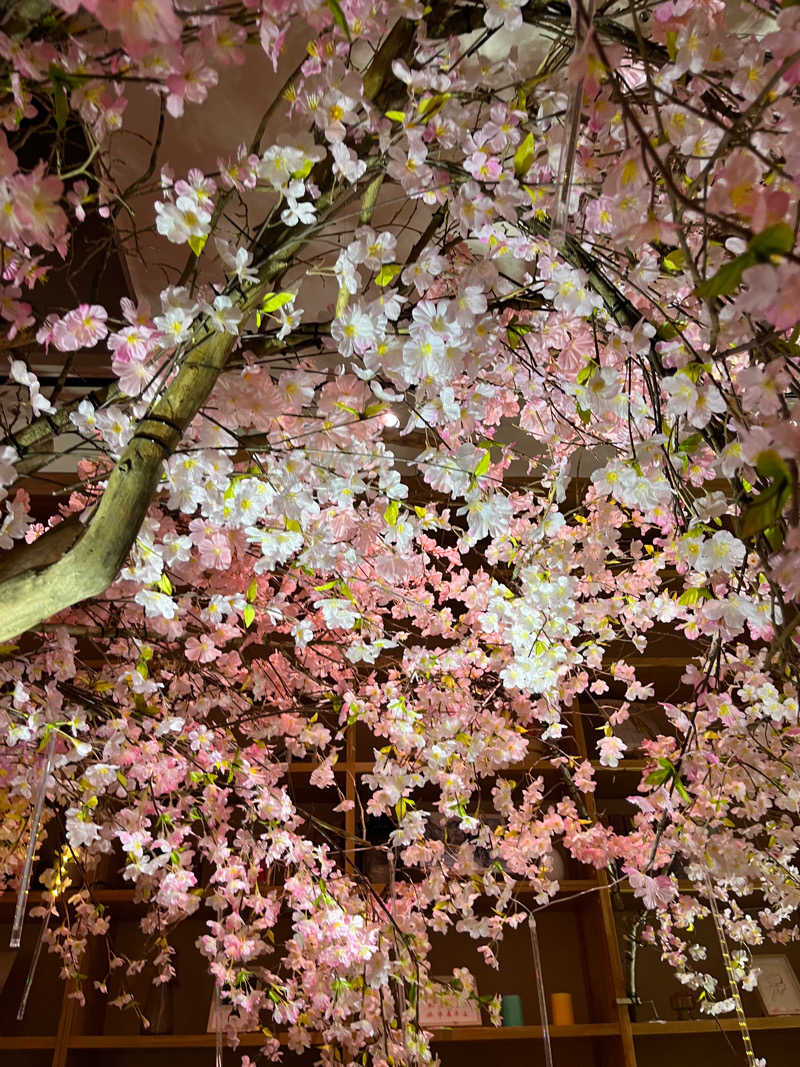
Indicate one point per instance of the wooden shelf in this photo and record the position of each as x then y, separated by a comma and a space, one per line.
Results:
711, 1026
255, 1040
28, 1044
524, 1033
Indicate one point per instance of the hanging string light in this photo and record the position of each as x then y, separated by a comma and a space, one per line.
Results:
730, 970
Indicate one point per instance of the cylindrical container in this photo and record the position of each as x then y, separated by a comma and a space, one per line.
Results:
561, 1007
512, 1010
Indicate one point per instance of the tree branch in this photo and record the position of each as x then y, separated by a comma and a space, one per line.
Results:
69, 566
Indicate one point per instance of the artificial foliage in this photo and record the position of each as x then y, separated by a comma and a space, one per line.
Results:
391, 452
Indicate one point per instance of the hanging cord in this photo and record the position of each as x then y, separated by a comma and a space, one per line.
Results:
537, 970
731, 972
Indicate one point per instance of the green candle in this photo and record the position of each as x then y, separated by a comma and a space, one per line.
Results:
512, 1010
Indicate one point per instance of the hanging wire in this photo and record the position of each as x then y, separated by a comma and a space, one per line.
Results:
731, 972
24, 889
537, 970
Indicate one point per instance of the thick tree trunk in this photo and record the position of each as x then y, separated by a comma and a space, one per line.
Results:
70, 563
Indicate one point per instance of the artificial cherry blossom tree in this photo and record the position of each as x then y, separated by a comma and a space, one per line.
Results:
388, 452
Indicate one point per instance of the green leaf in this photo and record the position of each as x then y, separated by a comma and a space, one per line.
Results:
248, 615
339, 19
691, 596
777, 240
681, 789
523, 157
764, 510
586, 372
727, 279
197, 244
676, 260
252, 590
666, 332
60, 105
165, 585
388, 273
346, 591
305, 170
483, 464
431, 104
658, 777
273, 301
770, 464
293, 525
691, 443
391, 513
396, 116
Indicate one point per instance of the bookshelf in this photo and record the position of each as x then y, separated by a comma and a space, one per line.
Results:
579, 935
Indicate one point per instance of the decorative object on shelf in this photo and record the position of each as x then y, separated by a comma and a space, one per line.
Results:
684, 1005
448, 1005
556, 864
36, 818
159, 1009
562, 1010
778, 986
512, 1010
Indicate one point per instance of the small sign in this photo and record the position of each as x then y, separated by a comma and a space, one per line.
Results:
448, 1007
